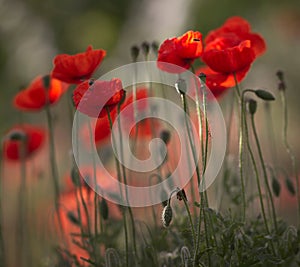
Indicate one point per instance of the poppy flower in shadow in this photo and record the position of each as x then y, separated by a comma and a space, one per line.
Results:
22, 141
218, 83
180, 51
94, 97
232, 47
36, 96
76, 68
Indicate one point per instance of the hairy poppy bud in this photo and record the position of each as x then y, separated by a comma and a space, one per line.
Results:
145, 48
135, 51
104, 211
165, 136
167, 215
252, 106
265, 95
155, 46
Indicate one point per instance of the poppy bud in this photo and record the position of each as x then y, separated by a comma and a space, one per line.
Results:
280, 75
155, 46
180, 86
181, 195
135, 53
167, 215
145, 48
276, 186
290, 186
165, 136
46, 81
265, 95
75, 176
252, 106
71, 216
104, 211
202, 77
17, 135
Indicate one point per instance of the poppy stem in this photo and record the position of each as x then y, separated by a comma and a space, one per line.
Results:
241, 145
288, 148
125, 182
53, 167
95, 196
264, 172
255, 171
120, 182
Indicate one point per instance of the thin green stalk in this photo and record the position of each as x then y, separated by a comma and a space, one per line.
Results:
256, 175
125, 182
120, 181
95, 196
53, 166
184, 103
241, 147
288, 148
264, 172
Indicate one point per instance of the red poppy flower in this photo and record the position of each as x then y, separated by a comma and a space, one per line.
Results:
218, 83
77, 68
36, 96
21, 139
232, 47
92, 98
181, 51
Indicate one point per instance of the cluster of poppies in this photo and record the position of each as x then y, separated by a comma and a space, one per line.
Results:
227, 52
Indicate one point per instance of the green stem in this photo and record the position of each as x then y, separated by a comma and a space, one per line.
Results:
184, 103
241, 147
264, 172
289, 150
125, 182
95, 196
53, 166
256, 175
121, 193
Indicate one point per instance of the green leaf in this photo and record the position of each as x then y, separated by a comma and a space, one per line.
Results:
265, 95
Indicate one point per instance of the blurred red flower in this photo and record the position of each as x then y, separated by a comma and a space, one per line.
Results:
232, 47
79, 67
218, 83
181, 51
31, 137
93, 97
36, 95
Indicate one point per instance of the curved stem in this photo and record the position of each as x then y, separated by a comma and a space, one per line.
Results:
264, 172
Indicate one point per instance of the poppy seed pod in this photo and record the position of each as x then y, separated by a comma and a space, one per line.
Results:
145, 48
165, 136
180, 86
135, 51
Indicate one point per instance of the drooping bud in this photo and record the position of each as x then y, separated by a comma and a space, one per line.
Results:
165, 136
276, 186
265, 95
290, 186
103, 208
251, 106
155, 46
135, 51
71, 216
167, 215
145, 48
